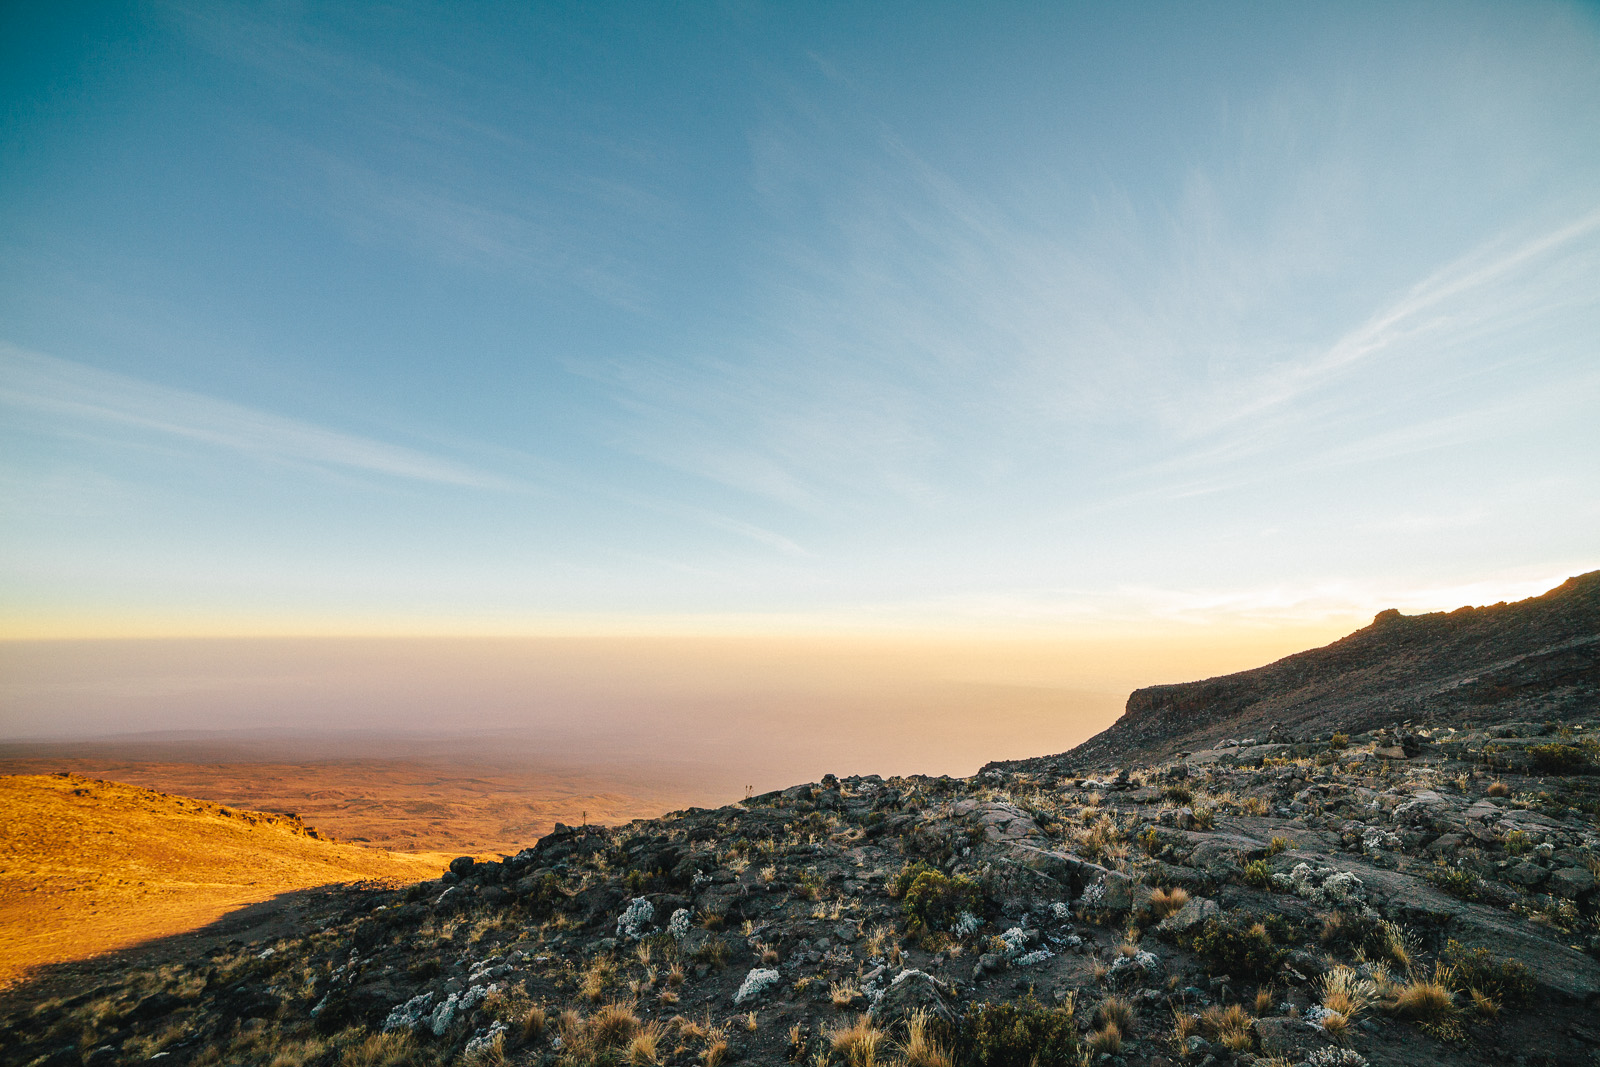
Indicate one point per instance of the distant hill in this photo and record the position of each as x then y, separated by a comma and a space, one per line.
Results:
1537, 659
87, 866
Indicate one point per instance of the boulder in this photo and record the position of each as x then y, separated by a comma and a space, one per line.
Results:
912, 991
1571, 882
1190, 917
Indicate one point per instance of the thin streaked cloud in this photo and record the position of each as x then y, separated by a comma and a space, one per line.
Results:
72, 391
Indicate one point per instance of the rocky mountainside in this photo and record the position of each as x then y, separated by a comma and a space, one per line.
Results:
1403, 898
1537, 659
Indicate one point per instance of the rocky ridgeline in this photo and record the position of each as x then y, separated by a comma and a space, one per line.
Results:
1535, 659
1405, 896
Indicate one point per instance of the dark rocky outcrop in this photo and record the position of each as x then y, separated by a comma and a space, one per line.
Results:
1536, 659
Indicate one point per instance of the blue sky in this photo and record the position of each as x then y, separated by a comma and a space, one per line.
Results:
500, 317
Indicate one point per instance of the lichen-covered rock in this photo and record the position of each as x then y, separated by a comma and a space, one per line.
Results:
758, 981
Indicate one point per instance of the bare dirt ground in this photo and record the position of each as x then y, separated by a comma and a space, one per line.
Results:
88, 867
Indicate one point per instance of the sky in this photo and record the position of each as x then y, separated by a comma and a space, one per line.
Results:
1055, 320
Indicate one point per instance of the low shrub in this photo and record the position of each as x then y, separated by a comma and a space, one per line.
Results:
1018, 1034
1453, 880
1258, 874
1243, 951
1559, 758
1178, 794
1508, 982
932, 899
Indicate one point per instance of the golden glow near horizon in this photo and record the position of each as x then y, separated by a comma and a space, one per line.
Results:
1160, 345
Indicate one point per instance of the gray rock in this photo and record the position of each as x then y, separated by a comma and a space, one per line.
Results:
1571, 882
910, 992
1527, 873
1190, 917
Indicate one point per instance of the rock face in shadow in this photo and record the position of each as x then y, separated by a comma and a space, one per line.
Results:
1534, 660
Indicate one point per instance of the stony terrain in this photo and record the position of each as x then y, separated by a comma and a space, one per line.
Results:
1396, 897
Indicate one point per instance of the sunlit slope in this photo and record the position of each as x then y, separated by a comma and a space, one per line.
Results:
87, 866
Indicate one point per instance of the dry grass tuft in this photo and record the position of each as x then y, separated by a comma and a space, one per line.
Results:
1228, 1027
597, 975
1497, 788
1106, 1041
381, 1050
1346, 992
1425, 1000
614, 1025
921, 1049
857, 1044
1114, 1011
644, 1047
533, 1023
1164, 902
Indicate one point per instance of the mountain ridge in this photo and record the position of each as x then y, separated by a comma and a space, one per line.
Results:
1537, 658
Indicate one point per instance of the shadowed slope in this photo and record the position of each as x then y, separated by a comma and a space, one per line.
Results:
87, 866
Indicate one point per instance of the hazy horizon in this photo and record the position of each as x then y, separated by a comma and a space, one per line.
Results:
769, 389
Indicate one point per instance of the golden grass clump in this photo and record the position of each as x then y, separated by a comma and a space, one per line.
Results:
844, 993
1346, 992
533, 1022
921, 1048
1426, 1000
1264, 1000
1164, 902
1484, 1004
1498, 788
1228, 1027
492, 1055
613, 1025
1116, 1011
297, 1053
596, 977
858, 1044
644, 1047
381, 1050
1107, 1040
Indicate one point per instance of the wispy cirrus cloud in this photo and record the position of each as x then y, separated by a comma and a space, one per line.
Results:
68, 390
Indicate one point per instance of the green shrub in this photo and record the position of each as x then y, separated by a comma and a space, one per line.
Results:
1258, 874
1019, 1033
1507, 981
1559, 759
1453, 880
1339, 741
932, 899
1242, 951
